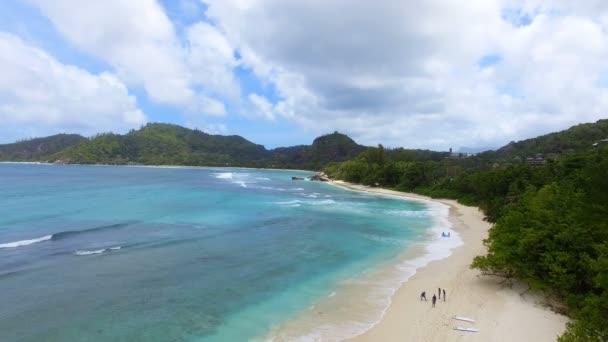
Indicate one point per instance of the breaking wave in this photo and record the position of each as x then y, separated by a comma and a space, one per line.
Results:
62, 235
97, 251
25, 242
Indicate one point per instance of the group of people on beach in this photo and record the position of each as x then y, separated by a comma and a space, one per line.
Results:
443, 234
434, 299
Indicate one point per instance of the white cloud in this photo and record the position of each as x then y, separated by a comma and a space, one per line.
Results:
41, 96
210, 59
407, 74
139, 41
262, 107
404, 73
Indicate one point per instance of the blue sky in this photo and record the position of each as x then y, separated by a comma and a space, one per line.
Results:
281, 73
26, 21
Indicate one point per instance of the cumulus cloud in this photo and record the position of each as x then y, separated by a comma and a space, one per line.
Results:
429, 74
139, 41
40, 96
408, 73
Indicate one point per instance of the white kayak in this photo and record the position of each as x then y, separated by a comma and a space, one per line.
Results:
464, 319
466, 329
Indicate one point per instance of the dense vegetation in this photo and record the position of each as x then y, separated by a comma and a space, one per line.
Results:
576, 138
551, 220
333, 147
163, 144
166, 144
39, 148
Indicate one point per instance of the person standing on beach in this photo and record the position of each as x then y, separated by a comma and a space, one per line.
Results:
423, 295
439, 292
444, 295
434, 300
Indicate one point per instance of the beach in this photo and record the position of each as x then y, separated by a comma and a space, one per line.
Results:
501, 313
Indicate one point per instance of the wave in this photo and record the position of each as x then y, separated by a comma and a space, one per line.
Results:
25, 242
322, 202
409, 213
70, 233
223, 175
97, 251
241, 183
63, 235
269, 188
385, 239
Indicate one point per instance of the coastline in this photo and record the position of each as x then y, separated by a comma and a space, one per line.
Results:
194, 167
501, 313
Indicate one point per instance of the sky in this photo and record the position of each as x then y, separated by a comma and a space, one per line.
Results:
429, 74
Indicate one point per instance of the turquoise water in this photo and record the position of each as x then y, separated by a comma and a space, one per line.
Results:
91, 253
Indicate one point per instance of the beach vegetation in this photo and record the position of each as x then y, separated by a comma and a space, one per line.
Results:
550, 220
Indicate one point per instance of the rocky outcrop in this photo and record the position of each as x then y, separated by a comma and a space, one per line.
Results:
297, 178
321, 176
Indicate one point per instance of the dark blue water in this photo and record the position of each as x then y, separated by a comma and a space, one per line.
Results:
91, 253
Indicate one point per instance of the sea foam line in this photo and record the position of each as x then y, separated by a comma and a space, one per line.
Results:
25, 242
97, 251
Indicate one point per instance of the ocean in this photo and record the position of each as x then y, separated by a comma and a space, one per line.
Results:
105, 253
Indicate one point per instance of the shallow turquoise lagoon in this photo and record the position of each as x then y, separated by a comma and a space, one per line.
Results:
100, 253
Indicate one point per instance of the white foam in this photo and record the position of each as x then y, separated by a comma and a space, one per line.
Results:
385, 240
309, 202
241, 183
25, 242
290, 203
223, 175
297, 189
262, 178
322, 202
269, 188
409, 213
98, 251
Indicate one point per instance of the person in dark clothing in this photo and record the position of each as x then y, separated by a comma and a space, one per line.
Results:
439, 292
434, 300
423, 295
444, 295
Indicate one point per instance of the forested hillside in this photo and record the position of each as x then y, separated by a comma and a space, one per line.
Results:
575, 138
39, 148
333, 147
166, 144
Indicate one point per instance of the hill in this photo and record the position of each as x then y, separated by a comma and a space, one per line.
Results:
39, 148
579, 137
333, 147
167, 144
164, 144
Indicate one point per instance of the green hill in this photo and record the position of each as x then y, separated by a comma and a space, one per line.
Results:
576, 138
39, 148
333, 147
167, 144
164, 144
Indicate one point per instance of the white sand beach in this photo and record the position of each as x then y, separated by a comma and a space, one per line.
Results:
500, 313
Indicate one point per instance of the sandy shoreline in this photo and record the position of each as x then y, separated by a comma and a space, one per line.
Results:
501, 314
